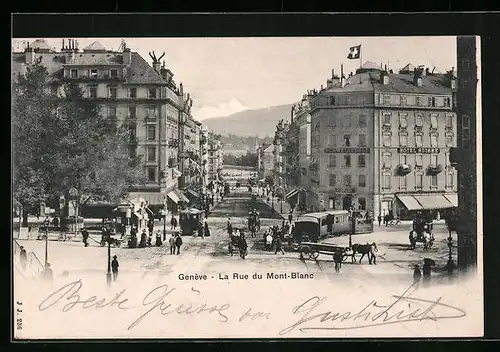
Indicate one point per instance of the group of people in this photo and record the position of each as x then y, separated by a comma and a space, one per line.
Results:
275, 235
236, 238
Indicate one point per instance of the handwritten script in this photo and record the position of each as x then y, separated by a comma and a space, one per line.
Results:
403, 309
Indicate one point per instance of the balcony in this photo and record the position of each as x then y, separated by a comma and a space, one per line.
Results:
403, 169
434, 169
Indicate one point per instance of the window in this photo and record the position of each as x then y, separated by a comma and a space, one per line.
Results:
449, 140
113, 73
434, 140
331, 100
402, 182
418, 140
112, 111
347, 180
362, 140
347, 140
386, 184
151, 132
132, 112
447, 102
132, 92
92, 92
387, 99
93, 73
361, 160
434, 121
403, 100
387, 119
362, 203
402, 159
362, 121
113, 92
449, 120
74, 73
332, 160
151, 174
332, 140
387, 160
432, 101
362, 181
434, 159
152, 93
419, 120
403, 139
465, 127
332, 121
152, 112
387, 139
403, 120
347, 160
418, 101
418, 160
449, 180
332, 180
132, 132
331, 203
418, 181
434, 181
151, 153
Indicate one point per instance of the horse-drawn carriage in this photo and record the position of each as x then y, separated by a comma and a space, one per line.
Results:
421, 232
253, 223
313, 250
238, 243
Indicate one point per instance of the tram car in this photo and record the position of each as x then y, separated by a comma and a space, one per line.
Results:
190, 220
312, 227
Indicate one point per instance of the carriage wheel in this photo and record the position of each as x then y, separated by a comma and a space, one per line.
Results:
303, 251
344, 257
314, 255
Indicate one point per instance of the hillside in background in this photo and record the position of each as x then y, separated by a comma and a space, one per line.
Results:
250, 123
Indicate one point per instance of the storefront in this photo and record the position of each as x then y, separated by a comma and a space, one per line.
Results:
432, 205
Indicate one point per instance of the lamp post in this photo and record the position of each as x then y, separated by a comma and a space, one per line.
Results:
108, 274
164, 213
73, 192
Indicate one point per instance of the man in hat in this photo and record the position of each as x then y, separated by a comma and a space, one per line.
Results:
114, 267
85, 237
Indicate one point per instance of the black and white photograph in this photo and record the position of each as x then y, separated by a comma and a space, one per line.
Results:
246, 187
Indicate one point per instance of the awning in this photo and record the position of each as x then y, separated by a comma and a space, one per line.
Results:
433, 201
409, 202
174, 197
150, 197
176, 173
452, 198
181, 196
193, 193
291, 193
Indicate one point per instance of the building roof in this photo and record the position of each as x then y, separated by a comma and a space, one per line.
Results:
403, 83
95, 46
141, 72
40, 44
94, 58
359, 82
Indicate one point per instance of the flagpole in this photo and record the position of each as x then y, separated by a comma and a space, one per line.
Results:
360, 63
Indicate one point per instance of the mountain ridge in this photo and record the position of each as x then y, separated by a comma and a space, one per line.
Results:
251, 122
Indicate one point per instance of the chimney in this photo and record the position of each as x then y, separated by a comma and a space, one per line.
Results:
333, 73
417, 76
427, 71
329, 83
342, 77
30, 54
127, 56
181, 90
453, 79
62, 47
384, 78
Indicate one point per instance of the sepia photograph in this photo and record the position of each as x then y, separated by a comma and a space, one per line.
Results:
246, 187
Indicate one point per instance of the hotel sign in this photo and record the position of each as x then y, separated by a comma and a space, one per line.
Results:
424, 150
347, 150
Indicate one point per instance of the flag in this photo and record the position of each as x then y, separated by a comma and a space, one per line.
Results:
354, 52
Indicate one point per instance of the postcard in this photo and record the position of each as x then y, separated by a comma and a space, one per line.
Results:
250, 187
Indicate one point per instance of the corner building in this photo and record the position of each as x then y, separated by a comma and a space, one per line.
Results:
380, 142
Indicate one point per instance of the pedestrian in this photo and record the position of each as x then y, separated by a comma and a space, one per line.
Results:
417, 275
132, 243
201, 230
279, 247
206, 230
85, 237
269, 241
114, 267
23, 258
158, 239
142, 243
151, 227
47, 273
171, 241
150, 239
229, 226
243, 246
290, 217
173, 223
426, 271
337, 258
379, 218
178, 243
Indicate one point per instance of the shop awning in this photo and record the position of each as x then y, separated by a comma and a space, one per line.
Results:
193, 193
176, 173
433, 201
181, 196
452, 198
410, 202
291, 193
174, 197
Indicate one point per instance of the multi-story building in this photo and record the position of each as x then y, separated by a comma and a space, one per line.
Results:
132, 91
215, 158
465, 156
380, 142
267, 161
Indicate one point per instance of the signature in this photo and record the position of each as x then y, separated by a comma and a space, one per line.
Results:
373, 314
70, 294
155, 300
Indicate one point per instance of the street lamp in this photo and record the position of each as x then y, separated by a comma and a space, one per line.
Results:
164, 213
73, 192
108, 274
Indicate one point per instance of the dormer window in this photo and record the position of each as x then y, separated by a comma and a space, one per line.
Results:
432, 101
152, 93
331, 100
113, 92
132, 92
347, 140
74, 73
113, 73
447, 102
93, 73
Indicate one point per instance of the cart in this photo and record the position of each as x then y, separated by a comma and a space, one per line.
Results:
313, 250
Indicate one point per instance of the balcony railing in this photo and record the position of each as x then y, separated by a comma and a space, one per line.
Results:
403, 169
434, 169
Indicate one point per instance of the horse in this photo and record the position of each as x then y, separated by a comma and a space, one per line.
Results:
365, 249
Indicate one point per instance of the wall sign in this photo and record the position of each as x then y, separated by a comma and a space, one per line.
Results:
420, 150
347, 150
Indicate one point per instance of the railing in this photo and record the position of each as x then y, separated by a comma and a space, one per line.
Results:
434, 169
34, 259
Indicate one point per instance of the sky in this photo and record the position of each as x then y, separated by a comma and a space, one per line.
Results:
228, 75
